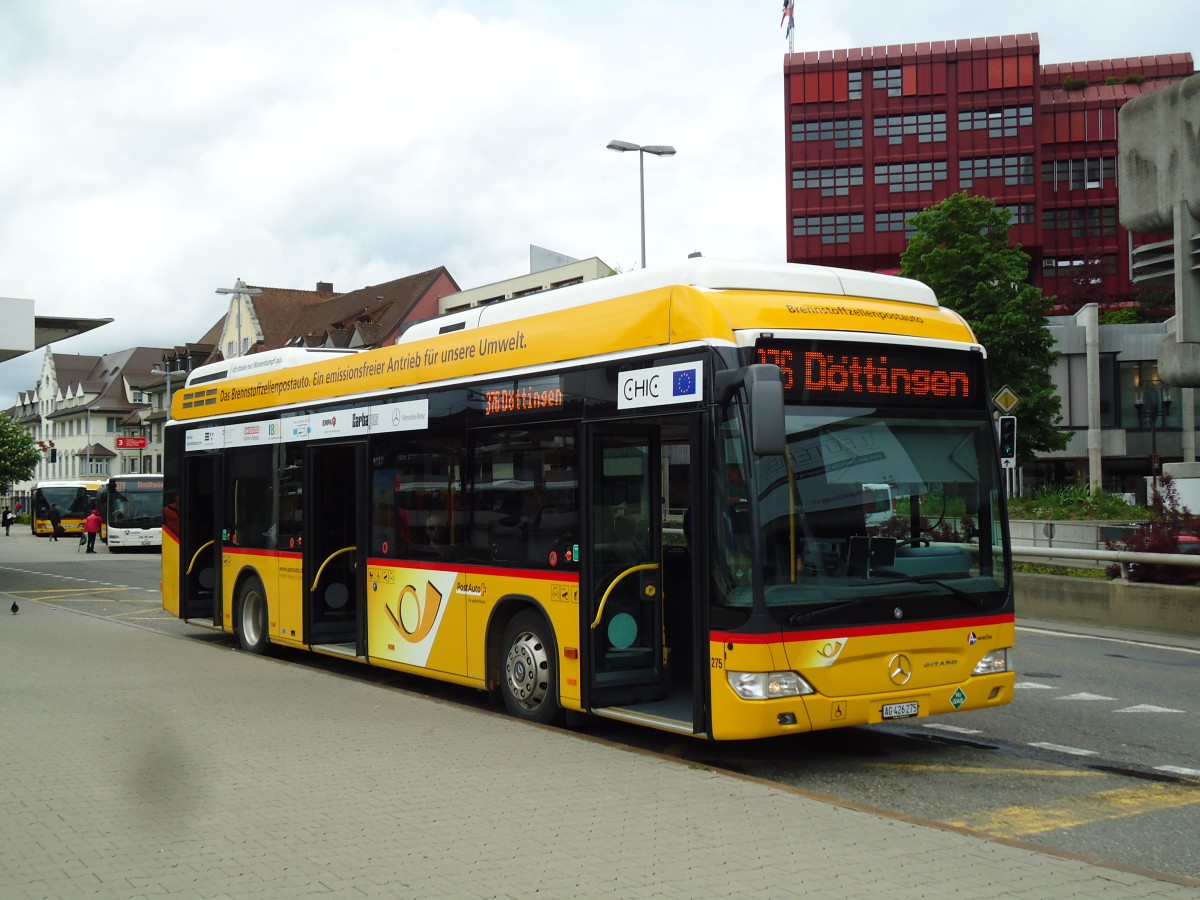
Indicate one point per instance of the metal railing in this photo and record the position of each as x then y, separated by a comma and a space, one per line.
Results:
1124, 557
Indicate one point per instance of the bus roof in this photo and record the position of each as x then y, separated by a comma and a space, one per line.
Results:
701, 302
707, 274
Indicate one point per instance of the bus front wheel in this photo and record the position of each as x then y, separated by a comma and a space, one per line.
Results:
530, 682
252, 617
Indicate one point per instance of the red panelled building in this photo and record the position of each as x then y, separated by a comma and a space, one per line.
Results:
877, 134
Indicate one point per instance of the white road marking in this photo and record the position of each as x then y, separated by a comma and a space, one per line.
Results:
1059, 748
1178, 770
1111, 640
957, 729
1085, 697
1144, 707
1032, 685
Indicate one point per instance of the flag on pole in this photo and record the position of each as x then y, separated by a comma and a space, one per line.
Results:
789, 18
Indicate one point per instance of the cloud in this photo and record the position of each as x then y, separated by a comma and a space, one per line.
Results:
154, 152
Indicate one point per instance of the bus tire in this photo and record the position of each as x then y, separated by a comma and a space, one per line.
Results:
252, 617
529, 682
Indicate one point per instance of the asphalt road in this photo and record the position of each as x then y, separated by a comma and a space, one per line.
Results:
1099, 755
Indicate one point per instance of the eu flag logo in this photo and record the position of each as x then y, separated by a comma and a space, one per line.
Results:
684, 384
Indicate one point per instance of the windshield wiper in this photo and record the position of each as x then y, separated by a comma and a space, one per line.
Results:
797, 618
974, 600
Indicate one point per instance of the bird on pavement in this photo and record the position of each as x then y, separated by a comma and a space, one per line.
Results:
15, 608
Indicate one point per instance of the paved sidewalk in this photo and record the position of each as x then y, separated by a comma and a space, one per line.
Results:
135, 764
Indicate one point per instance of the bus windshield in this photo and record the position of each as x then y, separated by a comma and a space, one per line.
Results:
73, 500
876, 505
133, 504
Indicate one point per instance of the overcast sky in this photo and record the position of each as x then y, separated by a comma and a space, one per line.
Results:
152, 152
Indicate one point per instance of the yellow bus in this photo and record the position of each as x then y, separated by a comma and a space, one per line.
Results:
640, 498
75, 500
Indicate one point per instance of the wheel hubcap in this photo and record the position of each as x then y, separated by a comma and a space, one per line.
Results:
252, 617
525, 669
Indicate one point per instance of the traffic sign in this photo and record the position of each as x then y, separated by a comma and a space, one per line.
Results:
131, 443
1006, 399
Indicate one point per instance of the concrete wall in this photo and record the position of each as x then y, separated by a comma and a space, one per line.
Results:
1161, 608
1073, 535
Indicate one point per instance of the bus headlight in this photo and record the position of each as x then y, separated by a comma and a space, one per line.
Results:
993, 661
767, 685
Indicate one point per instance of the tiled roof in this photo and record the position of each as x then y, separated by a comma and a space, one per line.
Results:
382, 305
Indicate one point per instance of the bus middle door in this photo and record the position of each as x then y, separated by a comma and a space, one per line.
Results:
623, 598
334, 546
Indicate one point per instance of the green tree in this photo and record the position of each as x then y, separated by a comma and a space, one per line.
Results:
961, 250
18, 455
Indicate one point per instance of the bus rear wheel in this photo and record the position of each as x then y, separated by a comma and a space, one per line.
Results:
252, 617
530, 682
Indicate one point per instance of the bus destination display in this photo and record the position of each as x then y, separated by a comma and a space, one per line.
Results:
887, 376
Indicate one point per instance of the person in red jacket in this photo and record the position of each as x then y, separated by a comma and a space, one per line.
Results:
91, 527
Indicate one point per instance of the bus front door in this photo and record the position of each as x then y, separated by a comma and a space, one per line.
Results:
334, 548
199, 547
623, 578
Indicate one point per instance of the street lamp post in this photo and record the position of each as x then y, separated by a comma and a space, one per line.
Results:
167, 378
1151, 404
655, 150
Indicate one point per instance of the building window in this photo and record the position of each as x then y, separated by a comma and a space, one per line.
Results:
833, 182
911, 176
997, 122
854, 85
1013, 169
1070, 266
1093, 221
834, 229
1079, 174
1021, 213
928, 127
891, 80
843, 132
896, 220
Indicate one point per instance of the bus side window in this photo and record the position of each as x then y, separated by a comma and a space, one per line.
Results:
252, 498
525, 497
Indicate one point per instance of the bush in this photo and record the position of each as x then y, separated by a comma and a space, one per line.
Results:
1168, 520
1072, 501
1120, 317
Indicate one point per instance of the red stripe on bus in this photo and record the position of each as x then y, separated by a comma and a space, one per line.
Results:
859, 630
535, 574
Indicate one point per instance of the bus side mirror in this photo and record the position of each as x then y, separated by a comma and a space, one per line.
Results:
763, 385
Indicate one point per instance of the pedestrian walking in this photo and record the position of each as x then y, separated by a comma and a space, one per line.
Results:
91, 527
9, 518
55, 521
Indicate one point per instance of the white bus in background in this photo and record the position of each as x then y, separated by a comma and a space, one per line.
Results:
132, 509
878, 504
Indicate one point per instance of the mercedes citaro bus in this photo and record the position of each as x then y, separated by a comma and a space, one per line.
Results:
486, 502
